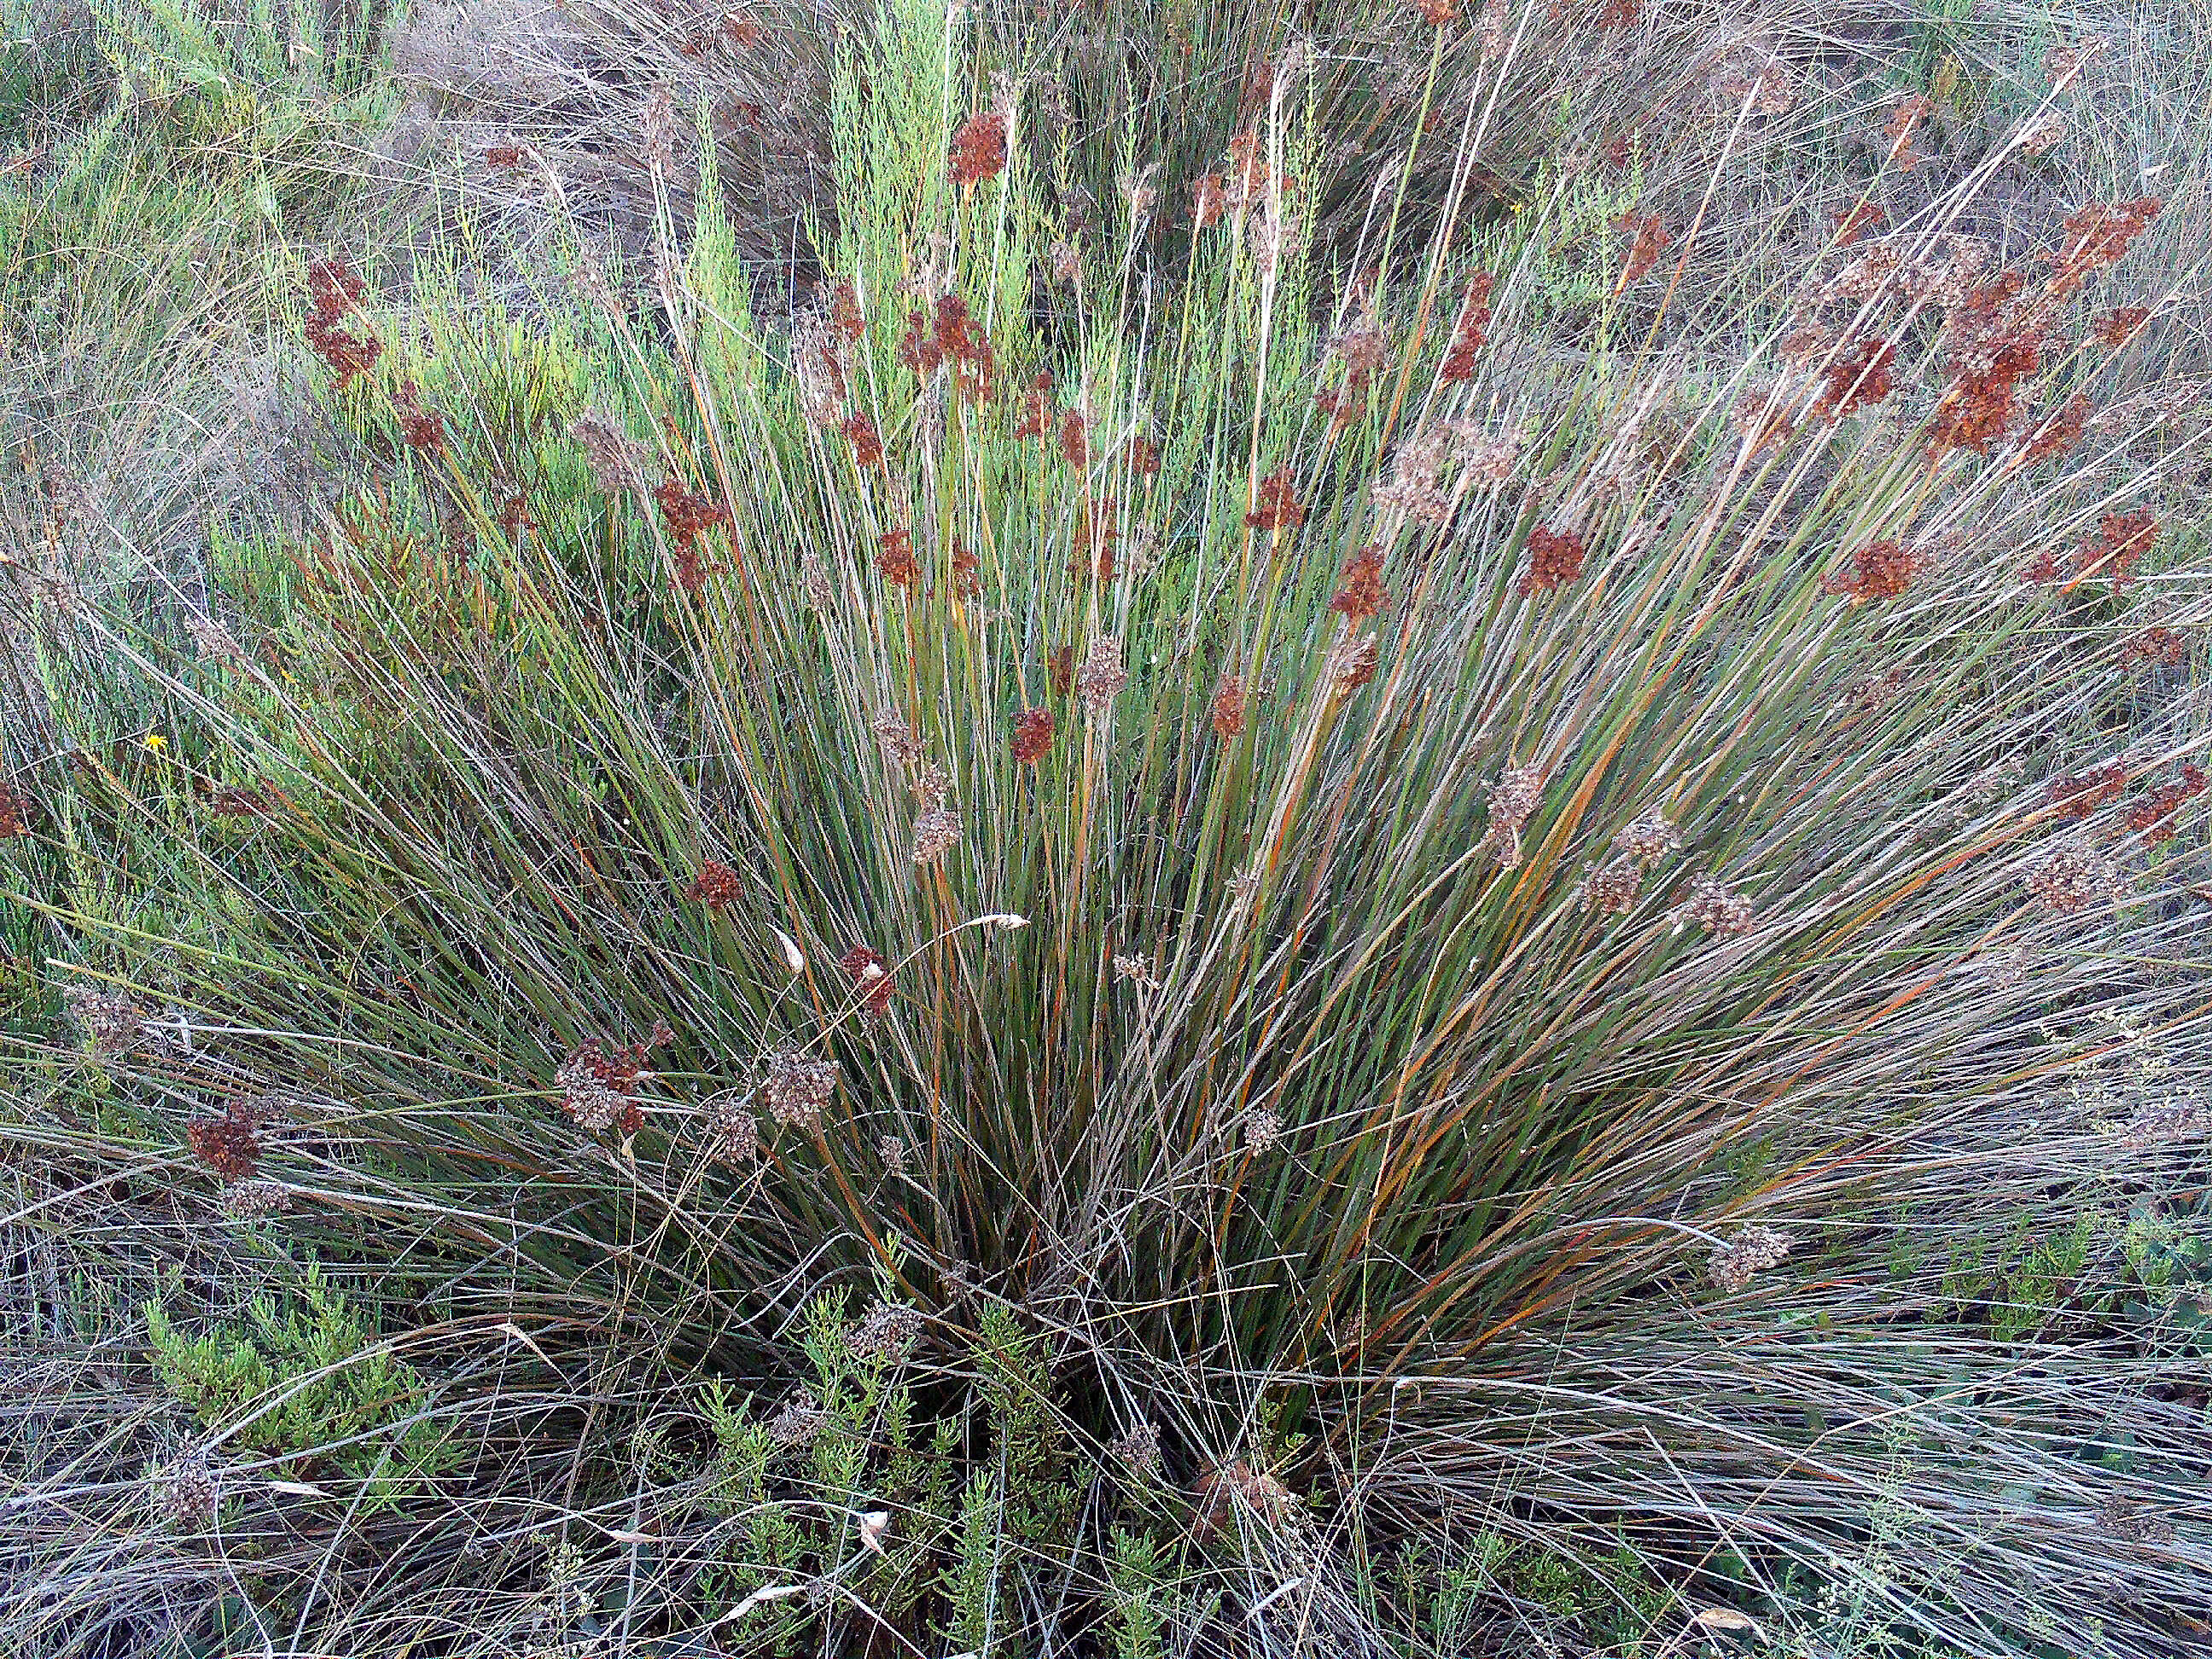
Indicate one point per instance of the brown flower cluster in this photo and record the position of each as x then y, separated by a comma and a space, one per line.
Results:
1715, 908
717, 886
952, 336
2098, 236
15, 813
1860, 219
2060, 431
1039, 419
2073, 798
1995, 341
1857, 375
1648, 238
797, 1088
241, 800
1512, 799
1880, 570
1362, 594
870, 977
597, 1083
419, 427
2153, 815
2158, 647
332, 291
1555, 559
2121, 540
1749, 1252
2116, 327
979, 148
867, 443
1228, 708
2070, 878
1470, 332
1351, 663
1032, 738
1904, 121
687, 515
1102, 677
229, 1144
895, 560
1276, 508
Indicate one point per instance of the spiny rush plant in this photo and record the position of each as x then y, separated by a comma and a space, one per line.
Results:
1417, 908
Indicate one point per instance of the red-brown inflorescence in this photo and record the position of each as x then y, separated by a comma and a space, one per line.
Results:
2161, 648
2121, 540
979, 148
229, 1144
1555, 559
1276, 508
597, 1083
967, 572
717, 886
1096, 535
1857, 376
2061, 430
2153, 815
2098, 236
1860, 219
1075, 439
1032, 737
2073, 798
687, 514
1904, 121
1471, 330
1059, 669
1438, 12
241, 800
332, 291
895, 559
15, 813
1362, 594
419, 429
866, 442
870, 977
1996, 343
1228, 707
1880, 570
1648, 238
1038, 419
845, 319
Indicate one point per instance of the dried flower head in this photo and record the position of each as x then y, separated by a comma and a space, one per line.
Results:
2121, 540
936, 833
1236, 1489
979, 148
1857, 375
886, 1333
1136, 969
1512, 799
2133, 1521
1275, 506
733, 1134
596, 1083
1554, 560
796, 1088
15, 812
2040, 131
896, 1156
1751, 1251
1350, 664
1102, 677
1648, 839
1362, 594
332, 291
717, 886
1228, 707
2070, 878
115, 1024
895, 560
1715, 908
865, 443
1032, 738
2153, 817
186, 1492
2073, 798
800, 1422
1860, 219
1470, 332
1648, 238
2156, 647
2117, 326
2165, 1122
1263, 1129
1904, 119
1612, 890
1878, 570
2063, 64
229, 1144
419, 427
870, 977
250, 1199
1138, 1451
